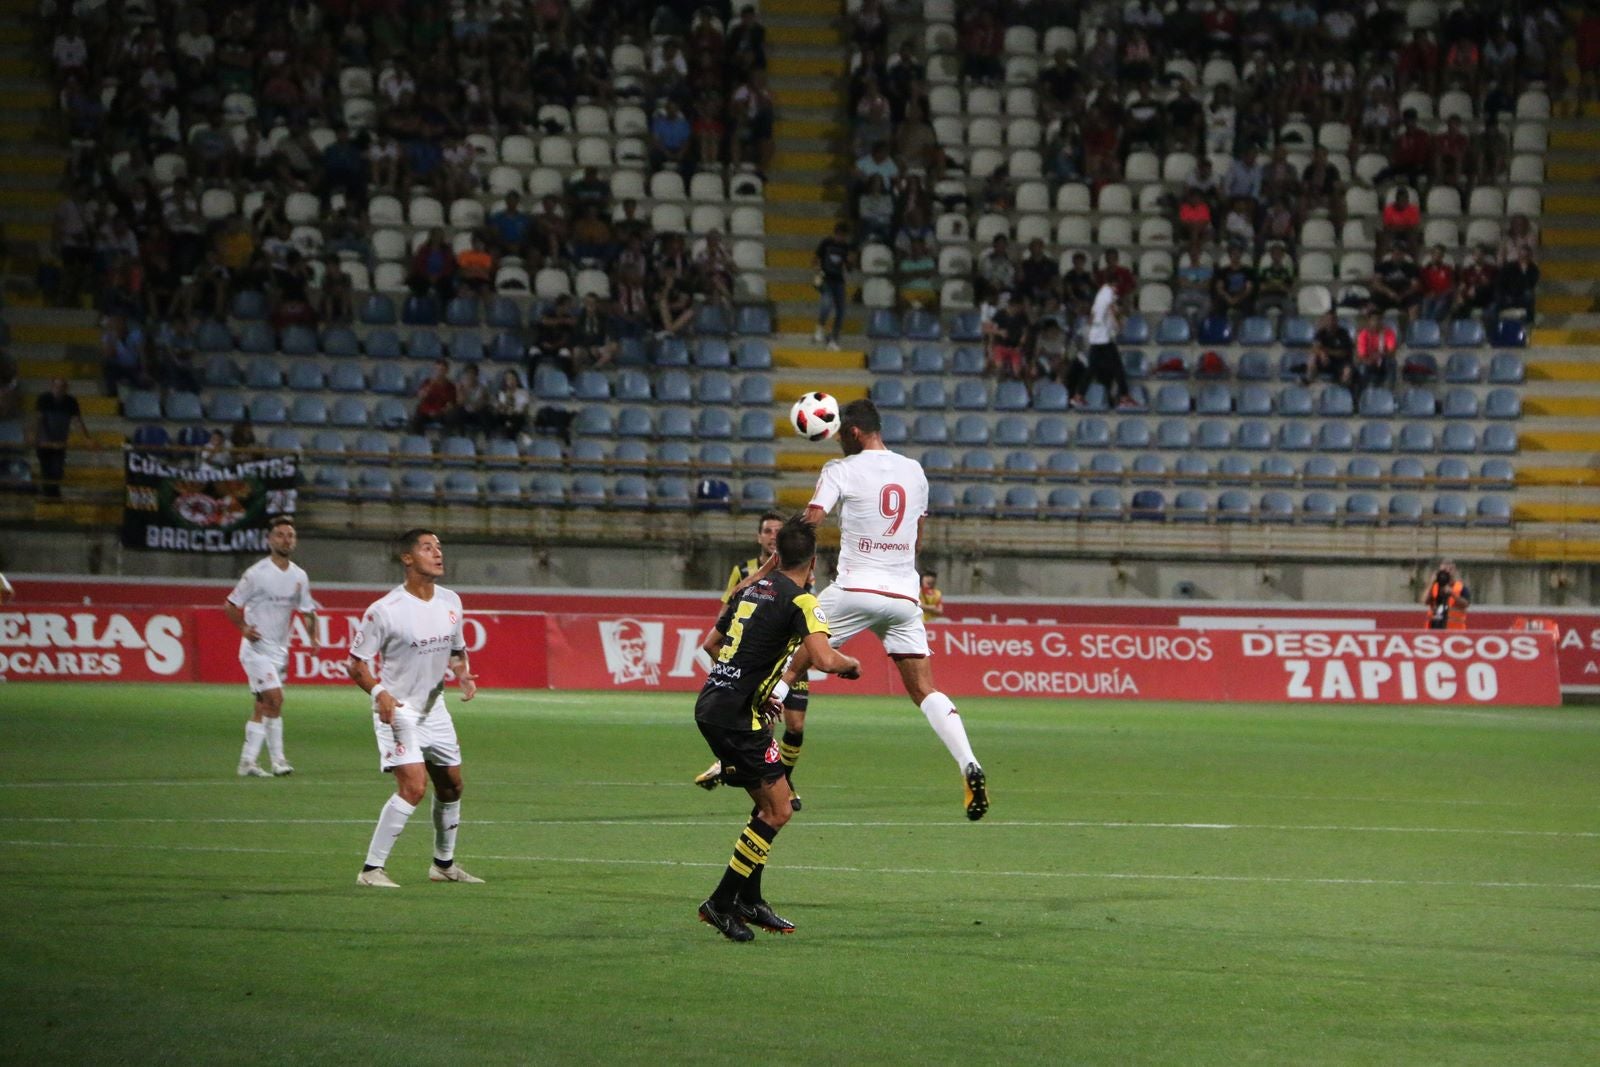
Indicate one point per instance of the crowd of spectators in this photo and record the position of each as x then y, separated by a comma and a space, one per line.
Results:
1236, 234
167, 101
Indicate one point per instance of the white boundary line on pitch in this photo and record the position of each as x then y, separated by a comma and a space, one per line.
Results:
1118, 876
711, 821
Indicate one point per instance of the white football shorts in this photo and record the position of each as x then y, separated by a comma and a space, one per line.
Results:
264, 671
414, 738
897, 622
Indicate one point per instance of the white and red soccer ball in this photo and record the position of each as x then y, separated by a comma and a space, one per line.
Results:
815, 416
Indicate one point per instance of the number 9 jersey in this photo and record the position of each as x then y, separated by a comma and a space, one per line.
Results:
762, 626
882, 498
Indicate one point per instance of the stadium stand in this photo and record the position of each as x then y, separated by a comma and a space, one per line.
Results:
284, 229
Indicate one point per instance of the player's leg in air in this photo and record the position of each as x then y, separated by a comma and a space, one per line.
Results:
265, 725
916, 674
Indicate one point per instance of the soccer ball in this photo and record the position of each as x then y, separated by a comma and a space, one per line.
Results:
815, 416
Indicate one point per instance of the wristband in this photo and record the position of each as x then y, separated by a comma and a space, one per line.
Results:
376, 690
780, 689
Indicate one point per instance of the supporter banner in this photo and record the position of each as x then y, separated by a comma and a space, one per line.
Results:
97, 644
182, 506
201, 645
644, 653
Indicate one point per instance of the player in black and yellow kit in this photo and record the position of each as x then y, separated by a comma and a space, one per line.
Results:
799, 695
759, 630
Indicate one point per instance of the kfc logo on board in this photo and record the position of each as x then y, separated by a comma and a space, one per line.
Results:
633, 650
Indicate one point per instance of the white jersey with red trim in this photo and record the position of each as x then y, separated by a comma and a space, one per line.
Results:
882, 497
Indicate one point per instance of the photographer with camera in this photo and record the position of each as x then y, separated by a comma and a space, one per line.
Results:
1447, 599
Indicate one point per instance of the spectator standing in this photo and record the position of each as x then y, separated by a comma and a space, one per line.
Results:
1006, 356
1105, 362
832, 259
57, 411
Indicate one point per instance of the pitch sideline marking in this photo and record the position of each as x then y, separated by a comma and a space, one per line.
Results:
711, 821
1124, 876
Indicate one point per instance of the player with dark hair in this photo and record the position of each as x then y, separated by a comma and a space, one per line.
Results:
262, 606
882, 498
798, 696
759, 631
417, 630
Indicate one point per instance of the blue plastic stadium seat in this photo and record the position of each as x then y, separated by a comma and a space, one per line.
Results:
890, 393
634, 422
1463, 368
1133, 363
1405, 509
1276, 470
331, 481
1233, 467
1276, 506
1254, 366
1335, 401
1418, 404
587, 490
755, 391
1453, 471
502, 490
426, 344
754, 355
374, 484
506, 348
311, 411
1364, 470
632, 352
674, 387
1214, 398
1093, 433
1318, 507
1172, 399
1021, 502
1133, 434
1173, 434
1361, 509
1406, 469
221, 373
1376, 437
183, 407
1499, 439
1459, 438
347, 378
752, 321
1147, 505
717, 458
1106, 467
1214, 330
971, 430
1295, 402
921, 325
1149, 469
267, 409
1063, 503
713, 353
1213, 436
671, 352
1253, 436
938, 461
1465, 333
1506, 368
755, 426
1008, 396
1012, 431
926, 360
1497, 472
966, 326
630, 491
883, 324
710, 320
1460, 403
965, 361
149, 436
969, 396
895, 430
714, 424
670, 494
1294, 437
1424, 333
1104, 504
1192, 469
1292, 366
1135, 331
1449, 509
979, 501
256, 338
389, 379
503, 314
1508, 333
1051, 431
589, 455
1298, 332
1377, 403
942, 499
348, 411
1321, 470
1256, 330
1255, 400
550, 491
418, 485
462, 311
250, 304
1234, 505
420, 310
340, 341
593, 421
377, 310
381, 344
886, 359
1494, 511
1503, 403
1050, 396
1021, 462
1191, 505
142, 405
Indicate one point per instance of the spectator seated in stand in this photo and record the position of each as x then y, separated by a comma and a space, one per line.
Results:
1332, 353
1376, 346
1515, 285
1438, 278
1476, 283
1396, 284
1275, 281
436, 400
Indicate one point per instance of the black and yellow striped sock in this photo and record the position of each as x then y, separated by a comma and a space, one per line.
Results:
749, 856
789, 750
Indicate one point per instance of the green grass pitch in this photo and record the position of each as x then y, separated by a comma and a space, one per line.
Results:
1156, 883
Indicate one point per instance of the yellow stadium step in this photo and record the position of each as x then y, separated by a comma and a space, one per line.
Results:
825, 9
1565, 303
45, 199
795, 291
1575, 407
1560, 337
28, 231
806, 130
1571, 205
800, 225
95, 477
794, 497
804, 461
15, 33
79, 514
1562, 170
15, 163
793, 258
1570, 237
818, 98
58, 368
806, 66
98, 406
1571, 270
1573, 476
1587, 139
812, 35
19, 99
1551, 548
1559, 441
787, 160
15, 67
53, 333
1558, 370
1534, 512
807, 323
787, 393
794, 357
15, 132
796, 193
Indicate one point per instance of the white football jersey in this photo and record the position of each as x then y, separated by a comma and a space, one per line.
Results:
269, 598
415, 638
882, 497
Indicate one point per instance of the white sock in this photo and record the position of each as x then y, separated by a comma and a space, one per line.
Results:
254, 734
391, 820
446, 821
946, 722
274, 727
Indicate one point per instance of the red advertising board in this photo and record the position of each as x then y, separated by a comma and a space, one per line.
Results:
578, 657
643, 652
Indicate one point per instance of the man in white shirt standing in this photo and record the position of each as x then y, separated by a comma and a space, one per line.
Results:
262, 606
1105, 362
407, 643
882, 499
